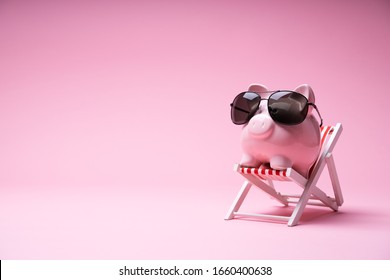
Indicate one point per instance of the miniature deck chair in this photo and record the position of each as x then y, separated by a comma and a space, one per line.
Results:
311, 195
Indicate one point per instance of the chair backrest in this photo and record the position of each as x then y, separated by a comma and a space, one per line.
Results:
328, 140
326, 130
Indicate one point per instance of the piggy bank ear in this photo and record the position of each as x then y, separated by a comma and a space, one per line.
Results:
306, 91
257, 88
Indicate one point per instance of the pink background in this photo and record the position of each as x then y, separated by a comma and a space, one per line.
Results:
116, 140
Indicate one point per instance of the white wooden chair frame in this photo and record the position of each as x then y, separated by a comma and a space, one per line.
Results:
311, 195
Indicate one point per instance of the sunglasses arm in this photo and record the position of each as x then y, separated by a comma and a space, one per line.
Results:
318, 112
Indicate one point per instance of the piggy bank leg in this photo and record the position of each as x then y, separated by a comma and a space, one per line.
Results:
280, 163
247, 160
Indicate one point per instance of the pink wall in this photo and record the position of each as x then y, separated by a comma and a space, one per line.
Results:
116, 140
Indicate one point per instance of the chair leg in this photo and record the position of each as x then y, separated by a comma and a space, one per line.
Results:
326, 200
298, 211
239, 200
334, 179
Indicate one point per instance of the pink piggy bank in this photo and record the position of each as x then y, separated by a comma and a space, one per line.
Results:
280, 129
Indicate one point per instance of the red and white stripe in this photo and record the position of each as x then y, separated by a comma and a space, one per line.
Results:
265, 173
325, 131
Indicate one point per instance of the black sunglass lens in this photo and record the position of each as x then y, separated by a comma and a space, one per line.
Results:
244, 106
288, 107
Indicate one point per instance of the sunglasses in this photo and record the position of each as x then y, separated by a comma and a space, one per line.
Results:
284, 106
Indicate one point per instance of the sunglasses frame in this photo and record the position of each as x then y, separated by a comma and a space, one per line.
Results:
251, 114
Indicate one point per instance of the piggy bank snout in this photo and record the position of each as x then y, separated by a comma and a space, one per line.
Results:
261, 126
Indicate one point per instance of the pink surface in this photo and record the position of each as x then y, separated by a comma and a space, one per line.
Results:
116, 140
